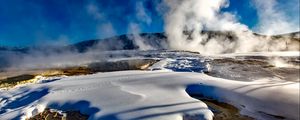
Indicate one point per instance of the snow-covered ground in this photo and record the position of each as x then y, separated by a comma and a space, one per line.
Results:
163, 93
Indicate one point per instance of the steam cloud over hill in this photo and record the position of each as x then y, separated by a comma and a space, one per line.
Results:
194, 16
191, 25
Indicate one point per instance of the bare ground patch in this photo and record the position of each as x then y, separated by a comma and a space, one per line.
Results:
253, 69
221, 110
47, 114
12, 78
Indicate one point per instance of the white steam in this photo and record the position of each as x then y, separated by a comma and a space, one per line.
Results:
61, 40
134, 27
274, 18
186, 20
141, 13
104, 27
195, 16
94, 11
137, 39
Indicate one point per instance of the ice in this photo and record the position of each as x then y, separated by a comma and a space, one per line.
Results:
161, 93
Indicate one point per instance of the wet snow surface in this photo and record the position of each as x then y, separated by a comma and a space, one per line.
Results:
163, 91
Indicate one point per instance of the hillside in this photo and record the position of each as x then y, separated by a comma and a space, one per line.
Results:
154, 41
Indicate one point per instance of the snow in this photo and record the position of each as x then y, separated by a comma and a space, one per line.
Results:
273, 54
162, 93
122, 95
182, 65
266, 95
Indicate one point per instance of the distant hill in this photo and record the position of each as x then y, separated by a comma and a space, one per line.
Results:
131, 42
123, 42
25, 57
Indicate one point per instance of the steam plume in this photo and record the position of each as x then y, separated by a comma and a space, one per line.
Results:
186, 20
275, 18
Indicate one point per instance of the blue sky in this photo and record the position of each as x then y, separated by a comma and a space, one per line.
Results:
34, 22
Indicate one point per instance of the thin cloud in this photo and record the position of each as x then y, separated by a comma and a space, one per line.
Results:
275, 18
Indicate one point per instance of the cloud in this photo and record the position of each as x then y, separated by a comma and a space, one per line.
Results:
277, 18
106, 29
45, 40
195, 16
141, 13
93, 10
137, 39
186, 20
134, 27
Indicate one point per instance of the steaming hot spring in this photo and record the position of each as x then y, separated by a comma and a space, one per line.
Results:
150, 84
204, 66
